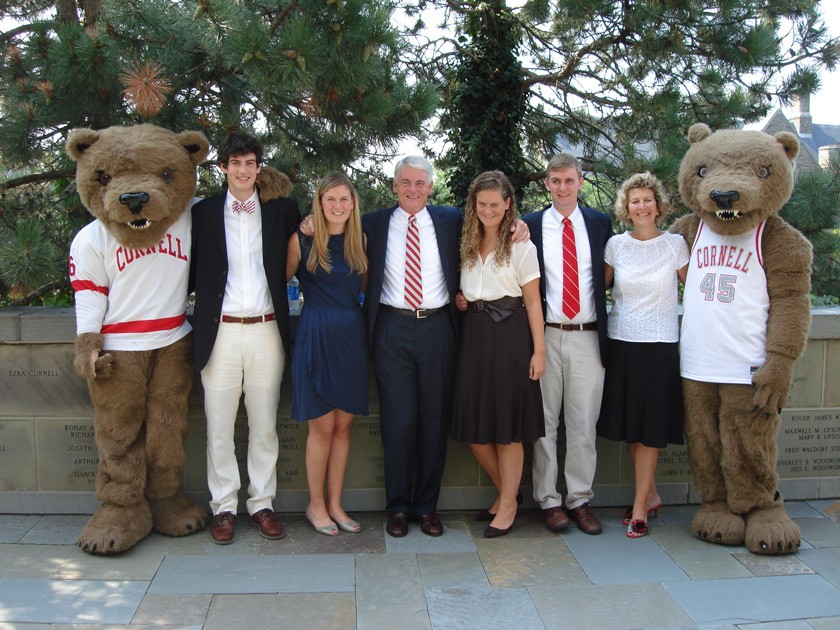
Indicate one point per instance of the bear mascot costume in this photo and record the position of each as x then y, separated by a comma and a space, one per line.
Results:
746, 320
130, 270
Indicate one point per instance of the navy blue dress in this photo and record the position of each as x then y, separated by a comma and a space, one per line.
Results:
330, 359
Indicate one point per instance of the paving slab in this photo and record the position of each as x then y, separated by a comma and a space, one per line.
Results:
740, 600
827, 507
798, 624
31, 561
455, 539
292, 611
173, 610
763, 566
384, 580
825, 561
56, 529
246, 541
138, 563
678, 514
482, 609
820, 532
300, 538
452, 570
613, 558
802, 509
529, 524
609, 606
699, 559
13, 527
518, 563
825, 623
255, 574
70, 601
409, 616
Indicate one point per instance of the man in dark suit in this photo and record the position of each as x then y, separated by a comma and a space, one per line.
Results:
412, 333
570, 242
241, 331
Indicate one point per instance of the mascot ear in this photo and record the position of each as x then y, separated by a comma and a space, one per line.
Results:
196, 145
698, 132
273, 184
789, 142
80, 141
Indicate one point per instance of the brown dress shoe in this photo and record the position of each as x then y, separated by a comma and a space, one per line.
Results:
270, 526
430, 525
222, 530
397, 524
586, 521
556, 519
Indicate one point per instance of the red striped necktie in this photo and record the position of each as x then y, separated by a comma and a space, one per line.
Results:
413, 279
571, 289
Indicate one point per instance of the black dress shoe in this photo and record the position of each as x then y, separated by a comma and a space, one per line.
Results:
485, 516
494, 532
430, 524
397, 524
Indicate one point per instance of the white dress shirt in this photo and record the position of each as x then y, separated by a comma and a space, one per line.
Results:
552, 228
435, 293
246, 291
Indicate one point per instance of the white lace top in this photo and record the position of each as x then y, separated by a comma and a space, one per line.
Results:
645, 287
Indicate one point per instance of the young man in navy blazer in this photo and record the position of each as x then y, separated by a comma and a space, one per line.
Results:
241, 336
575, 345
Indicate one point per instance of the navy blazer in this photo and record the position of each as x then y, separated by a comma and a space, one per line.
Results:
209, 266
447, 222
599, 229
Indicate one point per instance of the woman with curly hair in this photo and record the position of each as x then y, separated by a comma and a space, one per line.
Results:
642, 401
330, 361
498, 404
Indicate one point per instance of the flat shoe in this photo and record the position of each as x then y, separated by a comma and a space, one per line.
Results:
326, 530
347, 526
485, 516
494, 532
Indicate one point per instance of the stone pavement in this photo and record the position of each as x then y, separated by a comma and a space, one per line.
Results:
528, 579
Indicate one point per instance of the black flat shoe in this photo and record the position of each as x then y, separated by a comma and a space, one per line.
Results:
485, 516
494, 532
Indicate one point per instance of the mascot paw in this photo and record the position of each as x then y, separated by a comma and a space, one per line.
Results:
177, 515
115, 528
770, 531
772, 382
104, 366
715, 523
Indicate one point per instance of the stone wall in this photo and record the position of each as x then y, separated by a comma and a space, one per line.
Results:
48, 459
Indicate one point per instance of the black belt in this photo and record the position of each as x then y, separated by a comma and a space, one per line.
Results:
420, 313
569, 327
499, 309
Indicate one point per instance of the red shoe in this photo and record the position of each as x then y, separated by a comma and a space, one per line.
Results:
628, 514
637, 529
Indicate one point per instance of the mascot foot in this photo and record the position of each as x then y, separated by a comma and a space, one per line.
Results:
771, 532
715, 523
116, 528
177, 515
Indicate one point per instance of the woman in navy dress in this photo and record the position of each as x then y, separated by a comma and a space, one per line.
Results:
330, 361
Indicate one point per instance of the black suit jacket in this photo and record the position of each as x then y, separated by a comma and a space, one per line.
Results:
447, 221
209, 268
599, 230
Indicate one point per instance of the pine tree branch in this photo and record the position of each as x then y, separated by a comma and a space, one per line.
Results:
37, 293
26, 28
46, 176
278, 19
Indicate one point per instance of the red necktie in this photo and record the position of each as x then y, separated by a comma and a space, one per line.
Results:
413, 279
571, 290
244, 206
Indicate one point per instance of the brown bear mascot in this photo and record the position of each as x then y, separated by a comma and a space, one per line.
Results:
746, 320
130, 269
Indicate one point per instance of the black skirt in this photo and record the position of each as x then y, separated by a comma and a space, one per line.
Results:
495, 401
642, 399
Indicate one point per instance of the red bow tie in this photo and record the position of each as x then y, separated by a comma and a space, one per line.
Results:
244, 206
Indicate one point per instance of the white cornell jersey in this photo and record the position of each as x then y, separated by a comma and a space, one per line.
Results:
724, 327
136, 298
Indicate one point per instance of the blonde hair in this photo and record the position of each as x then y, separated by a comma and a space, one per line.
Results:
354, 250
473, 230
642, 180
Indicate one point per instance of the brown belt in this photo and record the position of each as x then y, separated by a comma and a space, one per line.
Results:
420, 313
230, 319
570, 327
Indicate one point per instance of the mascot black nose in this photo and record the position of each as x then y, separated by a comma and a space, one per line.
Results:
134, 201
724, 200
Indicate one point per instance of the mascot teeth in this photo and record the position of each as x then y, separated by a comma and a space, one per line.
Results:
140, 224
727, 215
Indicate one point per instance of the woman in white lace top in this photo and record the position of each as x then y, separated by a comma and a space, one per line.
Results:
642, 402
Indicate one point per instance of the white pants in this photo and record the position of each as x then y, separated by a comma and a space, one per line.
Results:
249, 358
573, 382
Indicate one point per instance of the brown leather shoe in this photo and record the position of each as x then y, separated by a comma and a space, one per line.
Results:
430, 524
556, 519
397, 524
222, 530
270, 525
586, 521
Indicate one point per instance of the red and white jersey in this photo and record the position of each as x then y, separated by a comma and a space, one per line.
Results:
136, 298
724, 328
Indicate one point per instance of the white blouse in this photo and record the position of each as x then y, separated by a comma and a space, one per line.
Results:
645, 287
487, 281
